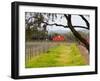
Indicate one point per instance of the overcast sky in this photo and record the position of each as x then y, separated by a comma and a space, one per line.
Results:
76, 21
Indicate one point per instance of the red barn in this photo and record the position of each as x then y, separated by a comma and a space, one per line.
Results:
58, 38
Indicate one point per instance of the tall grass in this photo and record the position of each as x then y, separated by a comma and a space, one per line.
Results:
61, 55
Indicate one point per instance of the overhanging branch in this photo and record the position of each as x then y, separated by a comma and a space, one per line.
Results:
64, 25
27, 20
76, 34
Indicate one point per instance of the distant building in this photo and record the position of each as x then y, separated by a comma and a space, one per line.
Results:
58, 38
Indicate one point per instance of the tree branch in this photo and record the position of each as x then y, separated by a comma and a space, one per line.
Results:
64, 25
54, 24
87, 23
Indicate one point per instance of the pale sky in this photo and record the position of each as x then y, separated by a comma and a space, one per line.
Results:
76, 21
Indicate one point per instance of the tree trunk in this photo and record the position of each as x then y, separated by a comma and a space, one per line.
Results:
76, 34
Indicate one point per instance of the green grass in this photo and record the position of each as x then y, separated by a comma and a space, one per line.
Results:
62, 55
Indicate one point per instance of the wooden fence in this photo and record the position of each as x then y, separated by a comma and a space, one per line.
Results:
33, 49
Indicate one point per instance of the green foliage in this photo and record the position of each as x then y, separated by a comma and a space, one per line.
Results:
35, 34
33, 24
28, 34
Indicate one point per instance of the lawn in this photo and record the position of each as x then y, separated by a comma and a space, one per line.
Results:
62, 55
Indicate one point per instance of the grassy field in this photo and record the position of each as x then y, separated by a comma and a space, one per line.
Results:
62, 55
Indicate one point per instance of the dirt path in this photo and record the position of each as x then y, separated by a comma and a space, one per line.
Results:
84, 53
